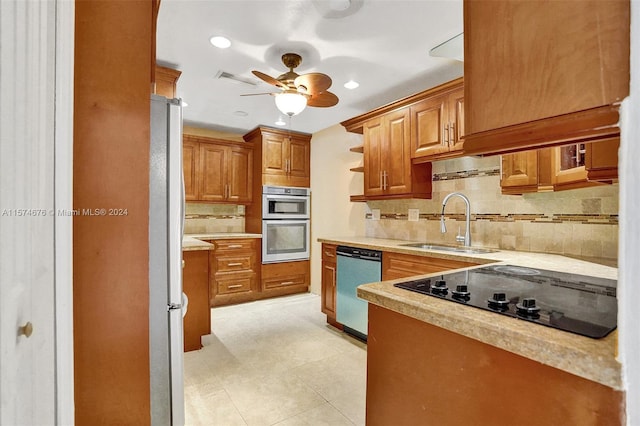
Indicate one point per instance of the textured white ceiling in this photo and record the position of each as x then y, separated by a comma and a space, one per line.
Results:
382, 44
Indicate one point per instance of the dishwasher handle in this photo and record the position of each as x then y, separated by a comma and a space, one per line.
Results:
359, 253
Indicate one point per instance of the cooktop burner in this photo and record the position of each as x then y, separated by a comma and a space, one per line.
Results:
575, 303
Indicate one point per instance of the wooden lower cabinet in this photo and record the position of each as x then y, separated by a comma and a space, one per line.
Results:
394, 266
399, 265
195, 284
235, 270
283, 278
329, 274
420, 374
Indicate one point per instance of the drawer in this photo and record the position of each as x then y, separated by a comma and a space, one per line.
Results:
234, 284
329, 252
397, 265
238, 244
280, 282
234, 262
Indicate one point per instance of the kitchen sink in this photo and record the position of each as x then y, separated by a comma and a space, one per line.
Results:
457, 249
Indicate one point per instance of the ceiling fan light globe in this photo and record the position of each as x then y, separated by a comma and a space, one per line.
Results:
291, 103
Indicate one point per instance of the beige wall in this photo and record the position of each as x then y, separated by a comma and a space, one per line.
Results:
331, 184
579, 222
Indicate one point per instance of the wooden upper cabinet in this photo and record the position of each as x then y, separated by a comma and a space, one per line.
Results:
216, 170
560, 168
166, 81
286, 156
543, 73
437, 125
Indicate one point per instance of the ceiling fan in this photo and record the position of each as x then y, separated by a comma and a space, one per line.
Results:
298, 91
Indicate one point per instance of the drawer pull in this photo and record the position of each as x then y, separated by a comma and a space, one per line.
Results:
234, 264
235, 246
329, 254
234, 286
286, 283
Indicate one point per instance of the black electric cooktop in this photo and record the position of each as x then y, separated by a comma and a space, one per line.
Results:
579, 304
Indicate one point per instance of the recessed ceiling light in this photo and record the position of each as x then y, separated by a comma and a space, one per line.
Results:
221, 42
240, 113
351, 84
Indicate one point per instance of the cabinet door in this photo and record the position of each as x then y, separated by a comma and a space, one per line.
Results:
213, 171
328, 294
428, 118
397, 153
190, 167
274, 154
519, 172
373, 153
601, 160
299, 158
456, 120
239, 179
585, 164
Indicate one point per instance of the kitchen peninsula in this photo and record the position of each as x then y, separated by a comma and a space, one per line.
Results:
431, 361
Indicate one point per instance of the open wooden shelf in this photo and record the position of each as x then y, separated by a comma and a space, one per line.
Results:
357, 169
359, 149
358, 198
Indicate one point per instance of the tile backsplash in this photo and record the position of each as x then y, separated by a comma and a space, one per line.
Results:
201, 218
580, 222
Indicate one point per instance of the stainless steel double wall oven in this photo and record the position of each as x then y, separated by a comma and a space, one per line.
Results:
286, 227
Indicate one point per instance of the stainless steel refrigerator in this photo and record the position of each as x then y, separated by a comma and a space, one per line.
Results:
166, 221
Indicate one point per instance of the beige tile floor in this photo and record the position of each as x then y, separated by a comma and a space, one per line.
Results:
275, 362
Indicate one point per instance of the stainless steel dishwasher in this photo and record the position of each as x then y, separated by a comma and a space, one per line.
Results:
355, 266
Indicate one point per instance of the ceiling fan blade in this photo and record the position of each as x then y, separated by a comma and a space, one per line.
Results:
314, 82
268, 79
257, 94
323, 100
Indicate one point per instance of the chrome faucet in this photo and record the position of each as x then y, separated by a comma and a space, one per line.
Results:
467, 226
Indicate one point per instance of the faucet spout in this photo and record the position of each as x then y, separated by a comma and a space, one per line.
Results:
467, 228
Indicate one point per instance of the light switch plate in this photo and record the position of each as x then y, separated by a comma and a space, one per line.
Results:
414, 215
375, 214
240, 209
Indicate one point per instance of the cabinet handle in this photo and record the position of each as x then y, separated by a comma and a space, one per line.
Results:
286, 283
446, 134
234, 264
329, 254
452, 127
234, 286
235, 246
384, 180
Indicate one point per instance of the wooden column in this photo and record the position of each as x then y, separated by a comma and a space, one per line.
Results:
113, 66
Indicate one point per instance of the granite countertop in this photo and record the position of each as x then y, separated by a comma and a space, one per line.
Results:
194, 241
592, 359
